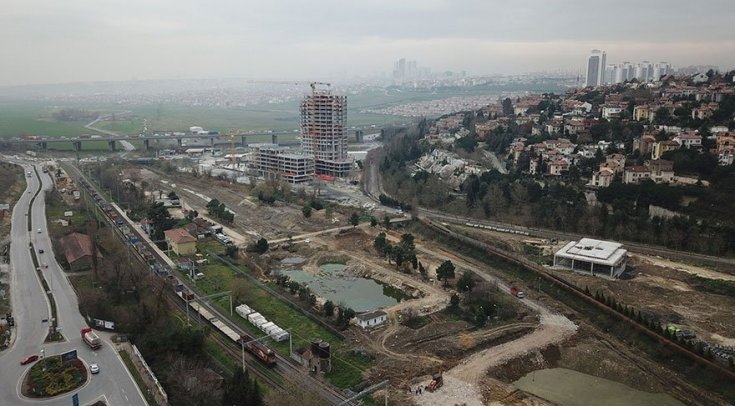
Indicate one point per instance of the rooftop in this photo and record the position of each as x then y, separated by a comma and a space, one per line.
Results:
77, 246
591, 250
371, 315
179, 235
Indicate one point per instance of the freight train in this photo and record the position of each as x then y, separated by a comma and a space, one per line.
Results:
259, 350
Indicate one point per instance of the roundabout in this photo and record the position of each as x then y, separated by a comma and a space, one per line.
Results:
51, 377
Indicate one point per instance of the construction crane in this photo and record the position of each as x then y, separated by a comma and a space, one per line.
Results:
312, 130
233, 151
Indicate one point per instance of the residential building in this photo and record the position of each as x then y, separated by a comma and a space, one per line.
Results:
644, 144
662, 171
636, 174
596, 257
78, 251
276, 162
725, 148
180, 241
371, 319
602, 178
659, 148
557, 166
643, 113
689, 140
612, 111
657, 170
596, 63
323, 117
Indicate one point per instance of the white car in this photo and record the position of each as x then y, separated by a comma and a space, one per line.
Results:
94, 368
39, 231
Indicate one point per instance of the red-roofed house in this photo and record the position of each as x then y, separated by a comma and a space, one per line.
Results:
78, 250
181, 242
602, 178
556, 167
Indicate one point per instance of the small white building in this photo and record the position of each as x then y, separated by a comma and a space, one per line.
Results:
596, 257
371, 319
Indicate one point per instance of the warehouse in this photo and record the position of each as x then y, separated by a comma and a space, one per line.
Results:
598, 258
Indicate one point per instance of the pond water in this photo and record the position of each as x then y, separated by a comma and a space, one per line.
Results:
360, 294
571, 388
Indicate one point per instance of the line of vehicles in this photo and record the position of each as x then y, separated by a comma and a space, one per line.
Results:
261, 351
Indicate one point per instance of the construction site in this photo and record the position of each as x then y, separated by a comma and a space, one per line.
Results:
434, 355
434, 342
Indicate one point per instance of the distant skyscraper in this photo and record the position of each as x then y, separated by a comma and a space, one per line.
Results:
399, 69
611, 73
628, 71
595, 68
661, 69
644, 71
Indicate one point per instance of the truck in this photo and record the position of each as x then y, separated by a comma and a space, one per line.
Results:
91, 338
517, 293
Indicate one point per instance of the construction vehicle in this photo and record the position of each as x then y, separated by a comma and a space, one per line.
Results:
91, 338
517, 293
437, 382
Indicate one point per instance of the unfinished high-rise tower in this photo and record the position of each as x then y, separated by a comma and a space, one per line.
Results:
322, 131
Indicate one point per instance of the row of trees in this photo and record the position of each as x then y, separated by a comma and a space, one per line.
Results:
655, 325
219, 210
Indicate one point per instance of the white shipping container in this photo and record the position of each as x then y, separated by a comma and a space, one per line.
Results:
264, 327
260, 322
253, 316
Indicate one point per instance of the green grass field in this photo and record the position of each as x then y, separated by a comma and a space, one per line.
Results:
19, 118
347, 367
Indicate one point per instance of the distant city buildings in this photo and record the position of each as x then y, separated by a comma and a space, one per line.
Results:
595, 68
599, 72
409, 70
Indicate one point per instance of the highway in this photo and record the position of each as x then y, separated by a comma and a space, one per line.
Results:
31, 307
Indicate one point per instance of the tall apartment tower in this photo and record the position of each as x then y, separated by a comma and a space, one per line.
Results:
322, 132
595, 68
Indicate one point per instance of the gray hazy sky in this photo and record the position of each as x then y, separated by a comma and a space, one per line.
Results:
51, 41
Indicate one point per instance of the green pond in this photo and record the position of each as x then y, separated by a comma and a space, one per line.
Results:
359, 294
566, 387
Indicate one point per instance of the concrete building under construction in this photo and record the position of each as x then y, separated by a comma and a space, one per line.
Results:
323, 117
275, 162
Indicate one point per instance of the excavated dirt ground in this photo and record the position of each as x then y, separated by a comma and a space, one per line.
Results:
407, 357
251, 217
671, 295
660, 287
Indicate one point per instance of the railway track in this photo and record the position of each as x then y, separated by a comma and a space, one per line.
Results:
253, 364
284, 367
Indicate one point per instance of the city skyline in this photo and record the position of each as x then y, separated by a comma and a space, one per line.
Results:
67, 42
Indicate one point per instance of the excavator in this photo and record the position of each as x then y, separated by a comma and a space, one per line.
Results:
437, 382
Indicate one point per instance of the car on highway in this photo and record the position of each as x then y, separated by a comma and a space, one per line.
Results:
94, 368
39, 231
40, 251
27, 360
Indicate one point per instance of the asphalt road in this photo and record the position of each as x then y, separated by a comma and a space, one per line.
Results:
30, 307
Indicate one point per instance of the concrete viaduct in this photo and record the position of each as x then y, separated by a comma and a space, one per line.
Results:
41, 143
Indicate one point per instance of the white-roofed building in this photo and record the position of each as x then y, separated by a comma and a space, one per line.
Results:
596, 257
